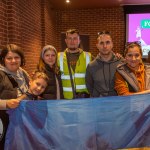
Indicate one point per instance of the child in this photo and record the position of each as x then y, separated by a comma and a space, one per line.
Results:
37, 85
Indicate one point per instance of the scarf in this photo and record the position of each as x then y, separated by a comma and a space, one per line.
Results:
19, 78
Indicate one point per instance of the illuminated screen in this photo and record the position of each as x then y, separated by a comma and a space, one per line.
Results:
138, 29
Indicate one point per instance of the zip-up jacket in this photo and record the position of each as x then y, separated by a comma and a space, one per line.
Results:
131, 80
100, 77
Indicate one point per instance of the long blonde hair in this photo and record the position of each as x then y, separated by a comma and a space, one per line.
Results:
41, 64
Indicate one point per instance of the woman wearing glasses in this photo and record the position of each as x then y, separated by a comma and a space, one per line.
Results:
13, 82
132, 77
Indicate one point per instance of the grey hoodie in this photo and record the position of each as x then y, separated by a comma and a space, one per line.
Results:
100, 77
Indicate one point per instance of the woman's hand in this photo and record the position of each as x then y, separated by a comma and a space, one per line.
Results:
12, 103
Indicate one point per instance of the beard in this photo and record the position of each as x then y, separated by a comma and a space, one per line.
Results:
72, 49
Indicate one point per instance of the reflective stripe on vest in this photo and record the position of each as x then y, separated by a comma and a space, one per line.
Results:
76, 75
79, 75
61, 61
87, 58
66, 77
62, 56
78, 87
67, 89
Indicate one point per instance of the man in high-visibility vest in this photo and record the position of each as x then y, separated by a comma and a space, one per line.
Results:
73, 79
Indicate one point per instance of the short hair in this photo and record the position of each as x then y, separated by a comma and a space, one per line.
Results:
132, 45
39, 75
102, 33
72, 31
12, 48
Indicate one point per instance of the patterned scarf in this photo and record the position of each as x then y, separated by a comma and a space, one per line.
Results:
19, 78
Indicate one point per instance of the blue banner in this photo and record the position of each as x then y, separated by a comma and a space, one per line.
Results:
85, 124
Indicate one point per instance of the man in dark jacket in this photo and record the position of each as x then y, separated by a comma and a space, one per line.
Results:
100, 72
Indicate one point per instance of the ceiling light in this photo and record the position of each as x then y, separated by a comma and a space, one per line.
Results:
67, 1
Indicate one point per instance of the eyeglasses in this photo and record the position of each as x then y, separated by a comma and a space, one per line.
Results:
103, 32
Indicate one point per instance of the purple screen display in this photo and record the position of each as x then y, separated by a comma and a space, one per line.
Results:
139, 31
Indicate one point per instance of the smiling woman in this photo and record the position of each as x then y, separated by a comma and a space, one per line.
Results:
132, 77
48, 65
12, 59
13, 82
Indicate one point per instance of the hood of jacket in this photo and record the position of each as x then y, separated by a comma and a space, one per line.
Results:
129, 75
112, 60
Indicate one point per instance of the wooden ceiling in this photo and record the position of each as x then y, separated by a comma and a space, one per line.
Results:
91, 4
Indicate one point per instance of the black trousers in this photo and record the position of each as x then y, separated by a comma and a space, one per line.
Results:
5, 121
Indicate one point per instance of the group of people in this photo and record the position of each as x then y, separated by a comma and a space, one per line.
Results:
110, 75
71, 74
16, 85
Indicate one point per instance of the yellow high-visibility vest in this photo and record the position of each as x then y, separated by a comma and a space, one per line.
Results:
78, 76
